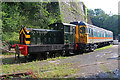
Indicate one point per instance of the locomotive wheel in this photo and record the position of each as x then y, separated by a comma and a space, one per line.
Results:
92, 48
49, 55
44, 55
63, 53
66, 53
32, 56
57, 54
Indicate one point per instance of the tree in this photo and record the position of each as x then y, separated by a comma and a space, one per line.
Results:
91, 12
30, 14
99, 12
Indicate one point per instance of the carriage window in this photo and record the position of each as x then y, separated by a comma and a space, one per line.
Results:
67, 28
90, 30
109, 35
101, 34
94, 33
104, 35
98, 34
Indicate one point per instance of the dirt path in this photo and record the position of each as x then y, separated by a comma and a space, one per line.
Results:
96, 62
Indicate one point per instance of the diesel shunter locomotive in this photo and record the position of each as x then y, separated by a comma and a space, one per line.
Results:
46, 42
61, 39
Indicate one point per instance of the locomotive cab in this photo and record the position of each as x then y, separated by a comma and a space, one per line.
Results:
68, 31
81, 36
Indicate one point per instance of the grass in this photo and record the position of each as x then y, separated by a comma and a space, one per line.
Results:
39, 70
56, 58
55, 71
106, 47
44, 71
102, 48
8, 53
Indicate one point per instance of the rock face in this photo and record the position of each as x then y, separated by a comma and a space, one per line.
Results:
73, 11
89, 20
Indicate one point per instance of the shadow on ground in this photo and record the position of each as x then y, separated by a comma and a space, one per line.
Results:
114, 75
23, 59
11, 60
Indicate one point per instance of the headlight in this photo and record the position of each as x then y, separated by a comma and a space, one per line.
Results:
27, 32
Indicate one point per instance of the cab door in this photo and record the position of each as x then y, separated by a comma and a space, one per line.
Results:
69, 34
83, 35
74, 32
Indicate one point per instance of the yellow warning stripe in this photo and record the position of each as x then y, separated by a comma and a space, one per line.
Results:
22, 31
27, 42
27, 36
25, 29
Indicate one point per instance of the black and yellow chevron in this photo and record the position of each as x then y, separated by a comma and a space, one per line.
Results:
24, 36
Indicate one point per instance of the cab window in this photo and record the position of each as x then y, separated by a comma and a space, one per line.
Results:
67, 28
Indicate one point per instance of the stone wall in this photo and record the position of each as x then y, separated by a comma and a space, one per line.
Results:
72, 11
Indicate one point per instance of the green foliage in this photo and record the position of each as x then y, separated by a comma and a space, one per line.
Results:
39, 14
90, 12
100, 19
52, 59
10, 17
99, 12
10, 37
8, 53
29, 14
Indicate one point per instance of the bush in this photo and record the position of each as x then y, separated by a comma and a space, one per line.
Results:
9, 39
